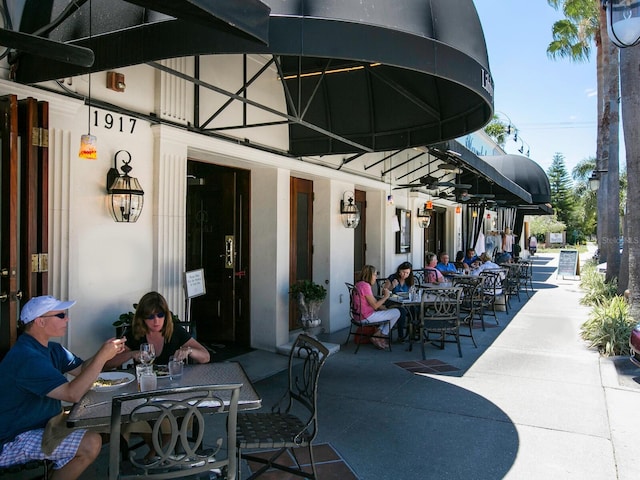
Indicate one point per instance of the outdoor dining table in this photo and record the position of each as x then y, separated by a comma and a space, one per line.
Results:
94, 408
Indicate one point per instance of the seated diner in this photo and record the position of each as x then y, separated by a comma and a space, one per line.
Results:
400, 282
431, 273
373, 309
444, 265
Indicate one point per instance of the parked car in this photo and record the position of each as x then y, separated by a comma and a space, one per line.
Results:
634, 345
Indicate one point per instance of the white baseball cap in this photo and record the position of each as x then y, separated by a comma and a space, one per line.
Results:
38, 306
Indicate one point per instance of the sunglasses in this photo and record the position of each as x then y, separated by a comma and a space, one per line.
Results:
59, 315
154, 315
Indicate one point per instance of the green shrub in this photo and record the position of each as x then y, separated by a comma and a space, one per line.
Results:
597, 291
609, 326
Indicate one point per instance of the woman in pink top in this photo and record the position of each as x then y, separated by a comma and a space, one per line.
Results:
372, 309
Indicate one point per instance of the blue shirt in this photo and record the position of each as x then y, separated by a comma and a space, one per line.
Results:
449, 267
400, 287
29, 372
469, 261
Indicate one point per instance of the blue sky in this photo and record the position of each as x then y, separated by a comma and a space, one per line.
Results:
552, 102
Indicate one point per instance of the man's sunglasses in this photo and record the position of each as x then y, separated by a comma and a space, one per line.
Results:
154, 315
59, 315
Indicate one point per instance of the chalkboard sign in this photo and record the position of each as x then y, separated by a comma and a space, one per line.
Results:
194, 283
568, 263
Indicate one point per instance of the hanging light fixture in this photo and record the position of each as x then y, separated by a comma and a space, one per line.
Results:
424, 215
349, 211
474, 213
458, 209
125, 194
623, 21
88, 143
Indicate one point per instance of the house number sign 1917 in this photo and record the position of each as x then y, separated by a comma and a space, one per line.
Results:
118, 122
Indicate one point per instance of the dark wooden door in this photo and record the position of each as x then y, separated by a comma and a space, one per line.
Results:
360, 234
23, 209
434, 235
301, 238
218, 242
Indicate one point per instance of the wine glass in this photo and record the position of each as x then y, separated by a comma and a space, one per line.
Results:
147, 353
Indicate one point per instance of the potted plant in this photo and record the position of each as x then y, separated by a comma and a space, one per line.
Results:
309, 296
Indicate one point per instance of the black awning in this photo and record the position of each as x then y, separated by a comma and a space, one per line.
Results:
483, 177
392, 75
526, 173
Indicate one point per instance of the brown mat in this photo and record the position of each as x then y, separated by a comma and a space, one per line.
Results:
329, 464
431, 366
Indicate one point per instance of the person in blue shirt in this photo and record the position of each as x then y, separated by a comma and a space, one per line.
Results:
471, 259
444, 266
34, 385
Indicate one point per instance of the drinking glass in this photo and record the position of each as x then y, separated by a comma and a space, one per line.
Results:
148, 381
175, 368
147, 353
142, 369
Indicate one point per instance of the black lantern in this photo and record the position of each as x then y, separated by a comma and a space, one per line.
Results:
594, 180
126, 196
424, 215
349, 211
623, 21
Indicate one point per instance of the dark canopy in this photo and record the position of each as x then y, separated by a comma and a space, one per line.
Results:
526, 173
376, 75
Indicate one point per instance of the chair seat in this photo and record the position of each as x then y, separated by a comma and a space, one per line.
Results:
270, 430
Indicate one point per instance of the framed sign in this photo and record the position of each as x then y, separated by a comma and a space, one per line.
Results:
568, 263
403, 236
194, 283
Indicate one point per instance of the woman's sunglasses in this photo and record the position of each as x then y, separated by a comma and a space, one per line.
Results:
154, 315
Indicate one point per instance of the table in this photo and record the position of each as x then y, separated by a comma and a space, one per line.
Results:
94, 408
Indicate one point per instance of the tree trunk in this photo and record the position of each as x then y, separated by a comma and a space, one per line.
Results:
602, 139
630, 96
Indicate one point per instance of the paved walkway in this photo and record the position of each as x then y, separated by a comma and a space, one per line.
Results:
532, 402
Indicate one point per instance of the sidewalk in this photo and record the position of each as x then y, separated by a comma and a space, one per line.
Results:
532, 402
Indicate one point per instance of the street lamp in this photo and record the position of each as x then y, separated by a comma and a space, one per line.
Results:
623, 21
594, 180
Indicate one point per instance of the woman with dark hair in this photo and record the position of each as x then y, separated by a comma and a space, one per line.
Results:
372, 309
400, 282
153, 323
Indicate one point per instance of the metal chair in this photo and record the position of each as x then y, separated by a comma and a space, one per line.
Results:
470, 302
358, 326
511, 282
492, 289
179, 443
281, 429
440, 313
526, 276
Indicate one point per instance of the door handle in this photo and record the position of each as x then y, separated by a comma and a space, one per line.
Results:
4, 297
229, 251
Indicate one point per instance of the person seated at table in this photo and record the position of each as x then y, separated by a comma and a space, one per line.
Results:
401, 282
504, 257
150, 325
431, 273
459, 263
373, 309
444, 266
471, 258
485, 264
34, 385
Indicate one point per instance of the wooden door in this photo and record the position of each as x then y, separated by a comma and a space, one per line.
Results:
23, 209
434, 235
360, 234
301, 238
218, 241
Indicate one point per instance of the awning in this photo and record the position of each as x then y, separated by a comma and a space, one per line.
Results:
483, 176
358, 75
530, 176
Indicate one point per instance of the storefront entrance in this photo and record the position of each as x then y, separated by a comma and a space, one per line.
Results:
218, 242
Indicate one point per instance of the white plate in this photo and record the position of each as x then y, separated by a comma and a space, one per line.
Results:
122, 379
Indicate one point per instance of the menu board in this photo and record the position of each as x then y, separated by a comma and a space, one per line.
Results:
194, 283
568, 263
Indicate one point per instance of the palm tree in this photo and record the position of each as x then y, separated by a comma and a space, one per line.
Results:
583, 25
630, 95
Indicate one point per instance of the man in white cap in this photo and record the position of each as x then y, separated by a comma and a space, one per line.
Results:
34, 384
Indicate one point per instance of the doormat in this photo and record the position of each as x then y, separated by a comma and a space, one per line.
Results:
431, 366
329, 464
222, 352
